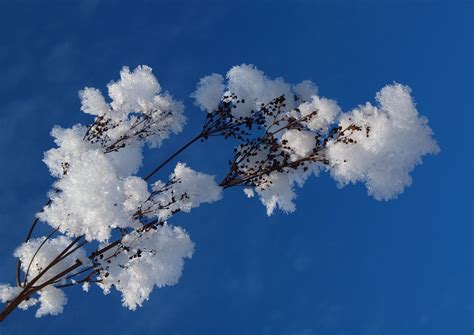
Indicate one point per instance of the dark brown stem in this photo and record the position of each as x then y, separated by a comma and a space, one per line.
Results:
73, 267
55, 261
29, 289
184, 147
28, 236
36, 252
13, 304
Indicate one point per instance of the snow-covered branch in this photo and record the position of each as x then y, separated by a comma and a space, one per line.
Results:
111, 228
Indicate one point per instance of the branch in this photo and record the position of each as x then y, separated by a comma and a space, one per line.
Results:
184, 147
36, 252
28, 236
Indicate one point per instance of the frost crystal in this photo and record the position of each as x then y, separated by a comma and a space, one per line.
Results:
149, 259
93, 102
35, 256
249, 84
7, 292
90, 182
390, 143
194, 188
85, 287
254, 88
35, 259
94, 164
305, 90
52, 301
278, 191
134, 91
187, 189
327, 111
303, 133
209, 92
300, 143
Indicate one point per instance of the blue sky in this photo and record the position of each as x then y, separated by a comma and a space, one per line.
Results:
343, 263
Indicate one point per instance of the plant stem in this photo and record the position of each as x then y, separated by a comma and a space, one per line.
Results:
184, 147
29, 289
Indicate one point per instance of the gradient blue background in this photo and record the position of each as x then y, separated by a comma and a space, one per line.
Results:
343, 263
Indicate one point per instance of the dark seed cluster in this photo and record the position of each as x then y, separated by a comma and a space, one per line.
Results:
261, 149
143, 126
161, 199
222, 122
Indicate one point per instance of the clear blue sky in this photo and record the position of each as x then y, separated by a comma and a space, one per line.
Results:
343, 263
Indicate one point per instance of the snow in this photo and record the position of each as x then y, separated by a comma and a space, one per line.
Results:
91, 182
249, 192
92, 170
154, 258
390, 140
393, 140
209, 92
305, 90
8, 293
52, 301
49, 250
35, 256
189, 190
93, 102
199, 187
300, 143
326, 112
278, 192
136, 192
134, 91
